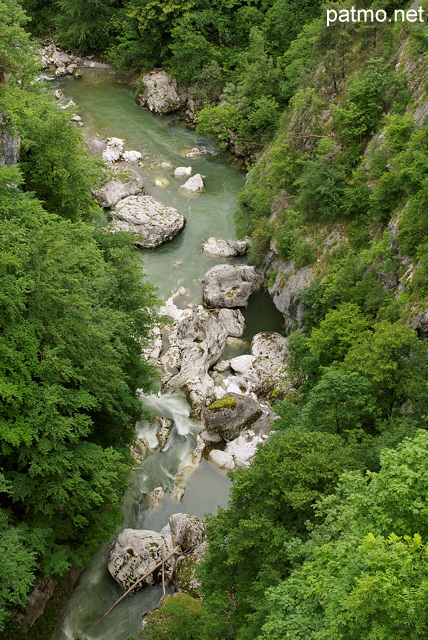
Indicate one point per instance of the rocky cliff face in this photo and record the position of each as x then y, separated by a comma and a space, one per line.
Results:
9, 144
382, 257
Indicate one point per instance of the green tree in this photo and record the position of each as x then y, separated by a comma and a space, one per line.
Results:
394, 359
340, 402
83, 25
369, 94
323, 184
14, 42
337, 332
75, 313
270, 503
54, 161
366, 570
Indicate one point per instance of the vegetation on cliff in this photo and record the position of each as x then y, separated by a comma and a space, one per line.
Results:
325, 534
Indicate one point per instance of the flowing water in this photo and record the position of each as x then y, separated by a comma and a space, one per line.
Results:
108, 109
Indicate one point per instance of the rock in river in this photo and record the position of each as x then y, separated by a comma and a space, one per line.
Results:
149, 220
119, 188
188, 530
136, 552
182, 172
114, 150
195, 184
227, 285
231, 415
217, 247
161, 94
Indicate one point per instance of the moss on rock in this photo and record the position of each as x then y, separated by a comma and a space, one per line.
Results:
228, 402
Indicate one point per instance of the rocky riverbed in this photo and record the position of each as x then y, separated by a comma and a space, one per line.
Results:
203, 352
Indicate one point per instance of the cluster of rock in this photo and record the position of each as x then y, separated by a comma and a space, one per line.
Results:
65, 63
226, 395
132, 210
194, 342
242, 423
114, 152
138, 553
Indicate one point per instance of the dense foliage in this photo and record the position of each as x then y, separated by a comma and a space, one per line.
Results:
325, 534
75, 312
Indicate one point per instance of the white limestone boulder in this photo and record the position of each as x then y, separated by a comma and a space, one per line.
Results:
132, 156
194, 185
230, 286
136, 552
161, 94
182, 172
222, 459
152, 222
116, 189
189, 531
114, 150
219, 248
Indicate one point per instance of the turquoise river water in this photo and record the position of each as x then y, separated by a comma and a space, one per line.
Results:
107, 109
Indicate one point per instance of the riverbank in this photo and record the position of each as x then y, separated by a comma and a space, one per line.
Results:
106, 109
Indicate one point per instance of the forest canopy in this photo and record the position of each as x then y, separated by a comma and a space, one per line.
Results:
75, 313
325, 534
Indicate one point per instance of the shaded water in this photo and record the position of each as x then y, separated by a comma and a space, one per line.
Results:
207, 489
108, 109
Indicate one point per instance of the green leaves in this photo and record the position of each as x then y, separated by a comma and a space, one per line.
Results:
75, 313
338, 331
366, 570
341, 401
270, 503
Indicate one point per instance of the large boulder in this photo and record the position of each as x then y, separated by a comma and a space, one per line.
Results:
189, 531
227, 285
230, 415
117, 189
222, 459
150, 221
136, 552
195, 342
161, 94
195, 184
217, 247
263, 371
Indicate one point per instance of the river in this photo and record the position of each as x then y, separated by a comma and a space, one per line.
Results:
107, 109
